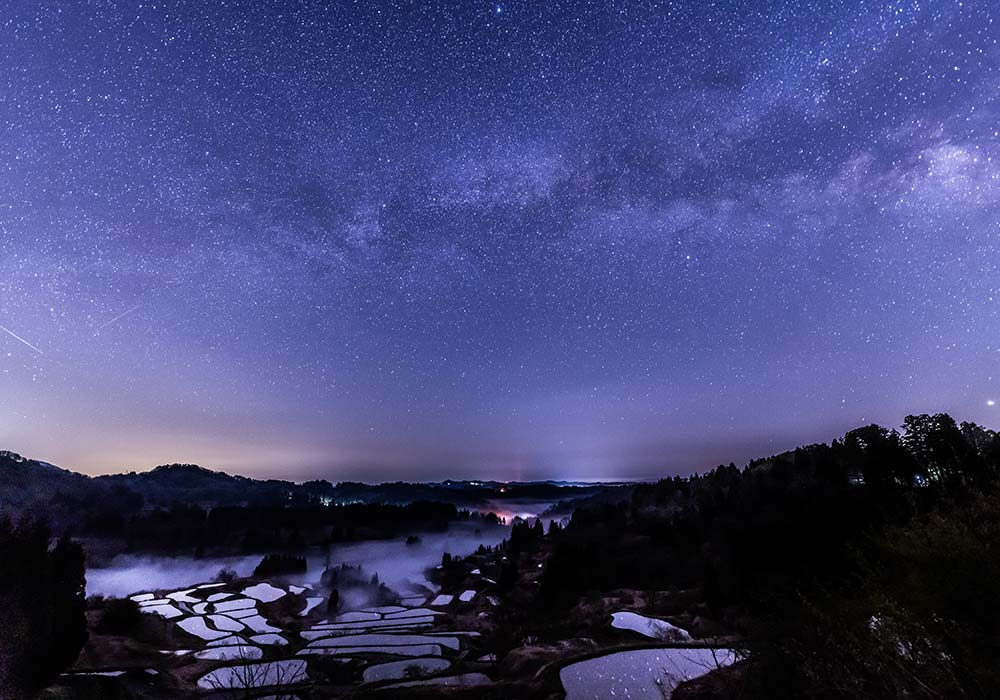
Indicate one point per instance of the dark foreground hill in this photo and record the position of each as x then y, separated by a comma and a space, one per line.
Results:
36, 488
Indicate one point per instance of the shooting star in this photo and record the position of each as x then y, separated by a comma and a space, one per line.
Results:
15, 335
119, 317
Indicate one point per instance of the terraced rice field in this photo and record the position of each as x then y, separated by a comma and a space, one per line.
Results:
640, 673
239, 633
649, 627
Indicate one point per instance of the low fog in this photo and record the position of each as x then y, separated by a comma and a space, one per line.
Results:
400, 566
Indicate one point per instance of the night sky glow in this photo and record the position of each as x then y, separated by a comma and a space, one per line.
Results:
531, 239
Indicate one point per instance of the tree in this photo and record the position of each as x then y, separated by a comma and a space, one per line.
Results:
42, 594
920, 622
120, 616
69, 602
280, 564
940, 448
245, 679
880, 457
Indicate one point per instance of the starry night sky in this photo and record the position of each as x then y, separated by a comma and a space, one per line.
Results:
532, 239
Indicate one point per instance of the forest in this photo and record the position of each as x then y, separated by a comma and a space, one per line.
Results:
862, 568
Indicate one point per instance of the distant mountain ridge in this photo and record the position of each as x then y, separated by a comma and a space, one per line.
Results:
35, 487
22, 475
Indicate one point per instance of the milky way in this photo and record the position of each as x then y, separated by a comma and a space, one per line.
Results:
559, 239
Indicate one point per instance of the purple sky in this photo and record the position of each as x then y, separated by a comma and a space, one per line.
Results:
518, 240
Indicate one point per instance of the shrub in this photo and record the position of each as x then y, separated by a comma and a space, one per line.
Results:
120, 616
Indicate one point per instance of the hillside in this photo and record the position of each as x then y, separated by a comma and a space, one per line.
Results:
32, 487
71, 499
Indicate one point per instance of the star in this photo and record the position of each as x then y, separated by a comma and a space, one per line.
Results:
579, 237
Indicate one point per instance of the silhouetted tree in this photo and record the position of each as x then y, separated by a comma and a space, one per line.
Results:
42, 598
119, 616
